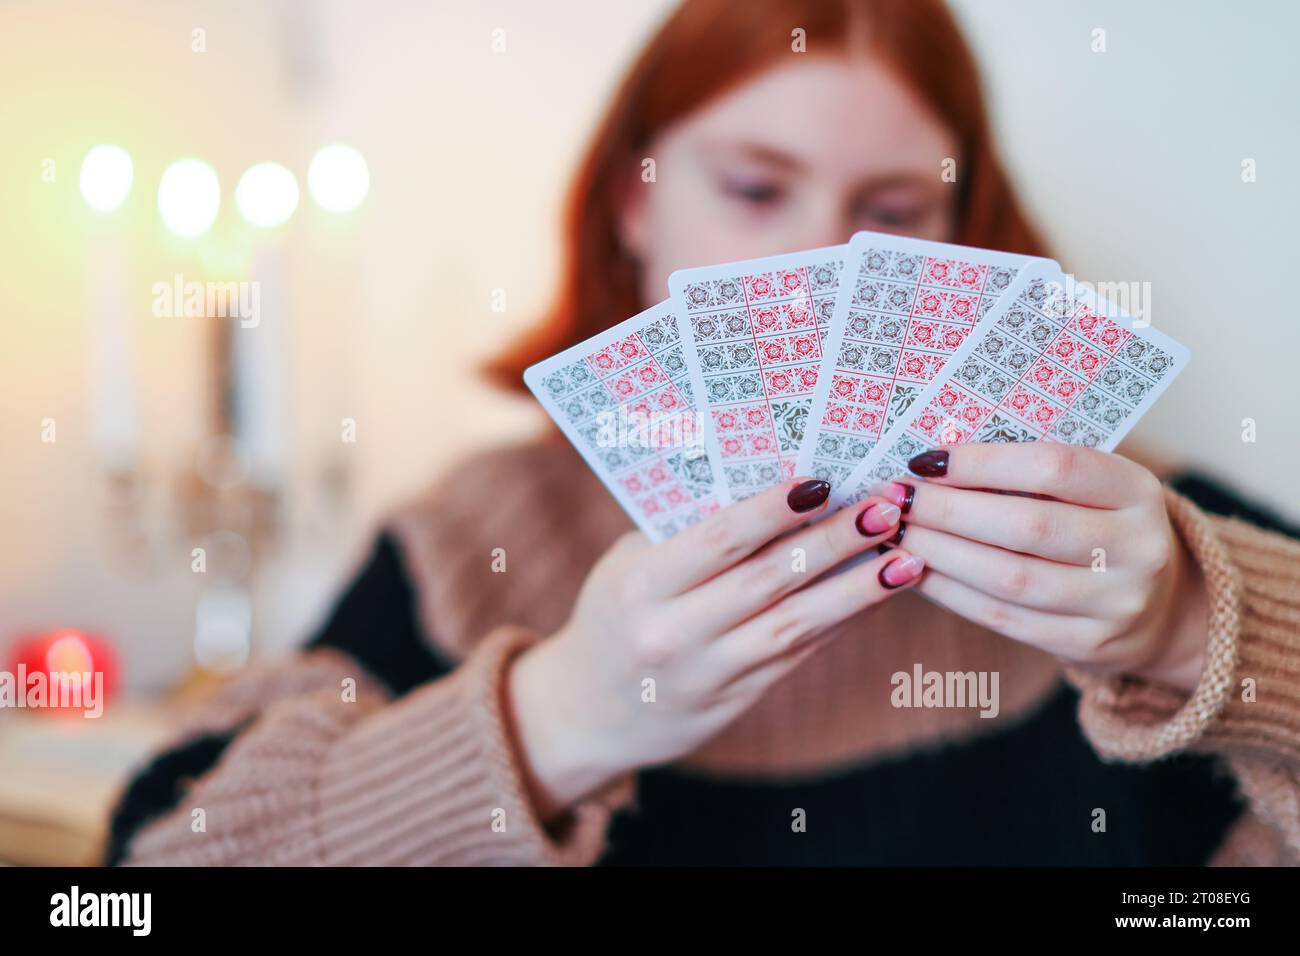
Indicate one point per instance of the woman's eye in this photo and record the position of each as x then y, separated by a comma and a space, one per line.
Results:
756, 192
893, 215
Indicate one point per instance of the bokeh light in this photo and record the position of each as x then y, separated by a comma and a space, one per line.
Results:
223, 630
106, 175
267, 195
338, 178
69, 653
189, 197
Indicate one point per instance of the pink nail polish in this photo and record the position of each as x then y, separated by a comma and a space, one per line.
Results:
877, 519
900, 571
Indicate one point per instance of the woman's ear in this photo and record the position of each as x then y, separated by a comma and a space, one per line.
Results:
632, 202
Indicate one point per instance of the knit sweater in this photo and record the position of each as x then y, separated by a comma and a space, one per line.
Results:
386, 740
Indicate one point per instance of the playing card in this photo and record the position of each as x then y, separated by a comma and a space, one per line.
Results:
754, 333
623, 398
904, 306
1053, 361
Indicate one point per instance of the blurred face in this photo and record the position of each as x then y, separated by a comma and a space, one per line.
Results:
802, 156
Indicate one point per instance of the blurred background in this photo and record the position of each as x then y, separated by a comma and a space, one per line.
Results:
183, 492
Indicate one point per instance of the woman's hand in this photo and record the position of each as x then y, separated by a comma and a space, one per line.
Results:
1089, 569
669, 643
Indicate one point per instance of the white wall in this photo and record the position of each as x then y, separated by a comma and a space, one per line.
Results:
1131, 159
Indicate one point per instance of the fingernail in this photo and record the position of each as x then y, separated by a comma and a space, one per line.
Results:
899, 571
808, 495
900, 493
876, 519
889, 543
929, 464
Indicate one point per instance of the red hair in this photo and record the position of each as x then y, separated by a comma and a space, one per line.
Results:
704, 49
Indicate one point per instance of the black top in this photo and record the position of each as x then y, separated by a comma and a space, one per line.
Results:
1023, 796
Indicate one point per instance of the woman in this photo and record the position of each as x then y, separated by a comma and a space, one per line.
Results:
515, 678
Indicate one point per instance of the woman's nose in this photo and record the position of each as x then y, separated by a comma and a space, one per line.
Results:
827, 223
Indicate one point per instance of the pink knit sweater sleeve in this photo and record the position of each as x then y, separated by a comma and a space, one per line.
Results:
1246, 707
326, 778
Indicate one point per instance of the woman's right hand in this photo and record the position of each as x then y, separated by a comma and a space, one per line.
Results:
713, 616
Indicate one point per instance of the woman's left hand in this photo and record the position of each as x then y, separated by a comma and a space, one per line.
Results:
1091, 571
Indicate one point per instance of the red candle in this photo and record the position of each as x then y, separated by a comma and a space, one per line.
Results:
67, 671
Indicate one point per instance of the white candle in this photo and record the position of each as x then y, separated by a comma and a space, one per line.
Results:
114, 416
258, 369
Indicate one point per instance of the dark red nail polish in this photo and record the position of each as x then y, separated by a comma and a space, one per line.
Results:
909, 495
897, 539
929, 464
808, 495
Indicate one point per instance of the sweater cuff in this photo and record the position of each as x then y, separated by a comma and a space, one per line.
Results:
1253, 582
436, 778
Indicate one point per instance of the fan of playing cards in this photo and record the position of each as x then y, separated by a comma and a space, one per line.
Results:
842, 363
